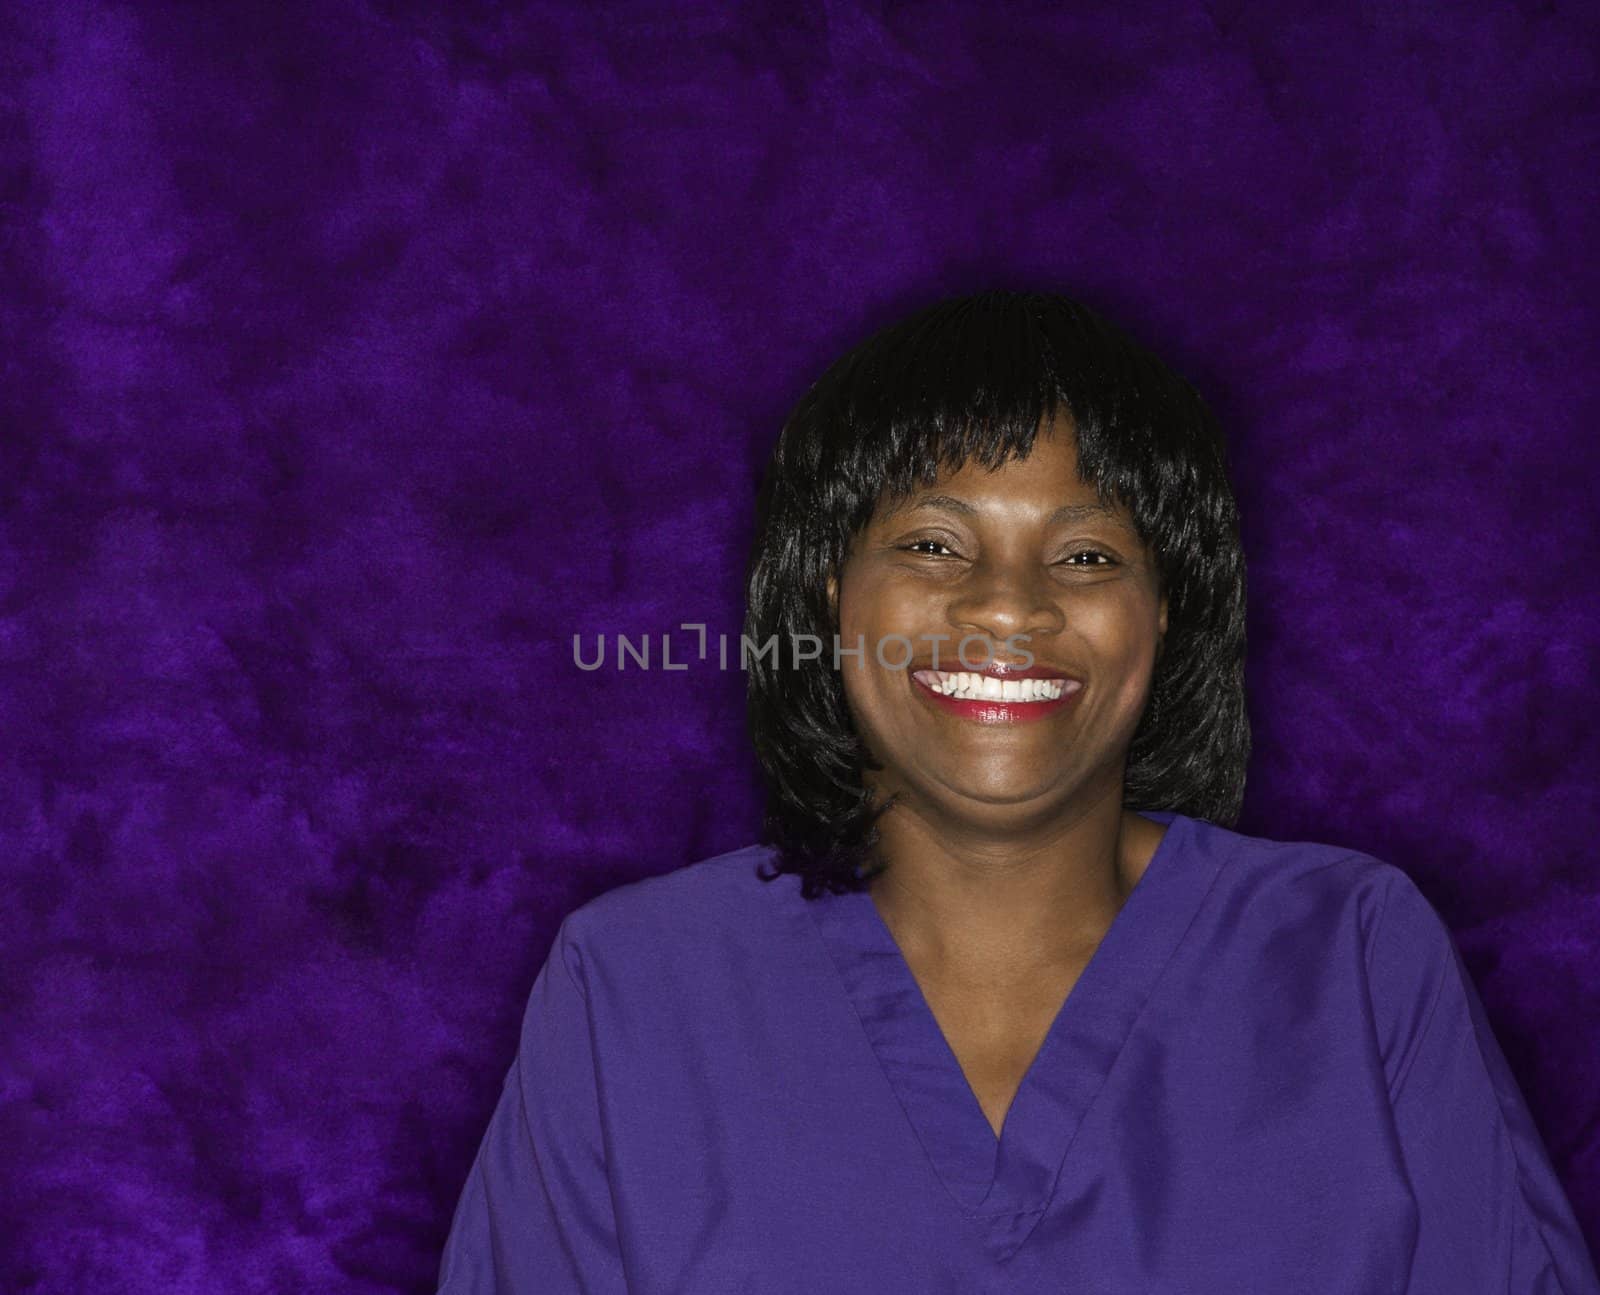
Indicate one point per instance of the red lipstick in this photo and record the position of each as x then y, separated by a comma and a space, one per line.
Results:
972, 694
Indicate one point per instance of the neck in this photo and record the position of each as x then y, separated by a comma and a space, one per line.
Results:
1009, 905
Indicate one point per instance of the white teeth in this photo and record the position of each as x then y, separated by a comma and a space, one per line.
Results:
968, 685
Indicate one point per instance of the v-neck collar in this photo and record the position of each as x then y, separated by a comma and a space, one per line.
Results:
1006, 1183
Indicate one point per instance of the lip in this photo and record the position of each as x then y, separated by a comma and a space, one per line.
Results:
987, 710
995, 669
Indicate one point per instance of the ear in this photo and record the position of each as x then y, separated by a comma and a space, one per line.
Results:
1161, 623
833, 596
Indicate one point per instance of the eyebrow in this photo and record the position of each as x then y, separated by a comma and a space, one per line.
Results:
1066, 513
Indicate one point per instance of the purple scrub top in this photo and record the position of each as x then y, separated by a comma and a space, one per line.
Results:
1274, 1075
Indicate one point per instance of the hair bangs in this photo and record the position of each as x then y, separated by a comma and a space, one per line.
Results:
978, 379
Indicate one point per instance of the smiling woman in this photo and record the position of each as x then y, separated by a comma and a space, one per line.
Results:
992, 803
1002, 1001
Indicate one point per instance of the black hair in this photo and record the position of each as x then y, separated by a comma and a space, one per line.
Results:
975, 378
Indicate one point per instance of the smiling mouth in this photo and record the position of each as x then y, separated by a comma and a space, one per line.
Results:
966, 685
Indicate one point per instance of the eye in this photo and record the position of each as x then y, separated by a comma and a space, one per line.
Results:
1107, 559
924, 546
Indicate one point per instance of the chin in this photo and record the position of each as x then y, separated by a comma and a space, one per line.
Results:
1021, 793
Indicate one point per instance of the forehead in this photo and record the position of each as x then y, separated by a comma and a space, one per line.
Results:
1046, 482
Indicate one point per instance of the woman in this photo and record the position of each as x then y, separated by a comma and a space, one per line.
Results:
1003, 1003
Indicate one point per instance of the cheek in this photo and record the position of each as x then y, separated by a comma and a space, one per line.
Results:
868, 695
1123, 628
883, 605
1125, 648
874, 613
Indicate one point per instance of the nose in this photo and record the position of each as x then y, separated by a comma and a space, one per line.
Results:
1001, 600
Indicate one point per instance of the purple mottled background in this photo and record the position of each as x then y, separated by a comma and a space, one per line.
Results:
355, 356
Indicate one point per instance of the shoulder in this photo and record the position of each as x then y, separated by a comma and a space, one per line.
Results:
1300, 881
1344, 904
693, 908
1343, 915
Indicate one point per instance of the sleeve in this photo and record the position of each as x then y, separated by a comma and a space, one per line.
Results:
1492, 1216
536, 1214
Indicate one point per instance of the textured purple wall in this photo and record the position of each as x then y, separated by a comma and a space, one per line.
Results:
354, 357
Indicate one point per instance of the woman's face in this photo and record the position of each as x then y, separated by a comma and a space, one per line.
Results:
1024, 550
